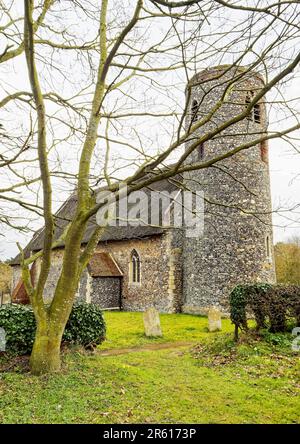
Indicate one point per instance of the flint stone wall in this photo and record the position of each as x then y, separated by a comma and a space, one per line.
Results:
161, 280
106, 292
161, 275
233, 248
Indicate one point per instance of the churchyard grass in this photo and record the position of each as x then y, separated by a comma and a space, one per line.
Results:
126, 329
217, 382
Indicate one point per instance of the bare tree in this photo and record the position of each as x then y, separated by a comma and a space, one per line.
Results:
16, 153
100, 75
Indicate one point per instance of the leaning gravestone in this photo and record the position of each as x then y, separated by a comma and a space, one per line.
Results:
152, 323
214, 319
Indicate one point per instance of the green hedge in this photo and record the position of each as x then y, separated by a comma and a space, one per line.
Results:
19, 324
271, 305
86, 326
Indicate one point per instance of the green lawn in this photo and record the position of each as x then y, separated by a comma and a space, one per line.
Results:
215, 383
125, 329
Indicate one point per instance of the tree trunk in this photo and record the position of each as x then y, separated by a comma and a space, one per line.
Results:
236, 333
45, 356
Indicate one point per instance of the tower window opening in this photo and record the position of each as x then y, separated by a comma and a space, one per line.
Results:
135, 267
194, 110
264, 151
201, 151
256, 113
268, 248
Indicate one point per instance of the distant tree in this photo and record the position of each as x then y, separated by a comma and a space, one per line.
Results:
5, 277
287, 261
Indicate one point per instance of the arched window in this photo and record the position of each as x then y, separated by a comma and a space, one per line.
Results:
194, 110
135, 267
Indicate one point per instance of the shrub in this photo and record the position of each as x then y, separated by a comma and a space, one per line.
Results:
19, 324
85, 327
273, 303
278, 339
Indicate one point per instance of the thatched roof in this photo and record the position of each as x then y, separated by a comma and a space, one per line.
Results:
113, 233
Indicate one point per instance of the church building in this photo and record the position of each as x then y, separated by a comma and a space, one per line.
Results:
135, 267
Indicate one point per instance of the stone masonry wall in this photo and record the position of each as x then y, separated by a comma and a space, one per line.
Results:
161, 280
106, 292
159, 285
16, 275
175, 290
237, 220
55, 269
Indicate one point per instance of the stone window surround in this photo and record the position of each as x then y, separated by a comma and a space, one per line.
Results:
268, 249
194, 110
255, 113
130, 280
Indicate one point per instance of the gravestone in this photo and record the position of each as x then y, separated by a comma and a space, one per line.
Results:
214, 319
2, 339
152, 323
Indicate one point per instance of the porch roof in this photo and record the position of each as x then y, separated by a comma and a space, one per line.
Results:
104, 265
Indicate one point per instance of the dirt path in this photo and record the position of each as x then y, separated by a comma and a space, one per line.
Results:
150, 347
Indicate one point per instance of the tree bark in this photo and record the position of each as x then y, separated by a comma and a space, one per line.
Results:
45, 356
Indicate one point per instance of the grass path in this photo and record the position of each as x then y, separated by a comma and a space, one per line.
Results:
150, 347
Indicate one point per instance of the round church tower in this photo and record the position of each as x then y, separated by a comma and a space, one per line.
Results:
236, 245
